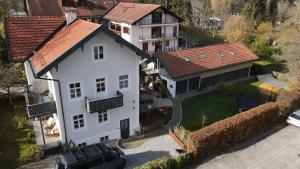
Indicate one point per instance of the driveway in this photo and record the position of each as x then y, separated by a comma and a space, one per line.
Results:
277, 149
150, 150
268, 78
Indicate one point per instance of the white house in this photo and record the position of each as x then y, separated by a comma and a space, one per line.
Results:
150, 27
92, 84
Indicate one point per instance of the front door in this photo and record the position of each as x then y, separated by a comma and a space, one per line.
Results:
124, 127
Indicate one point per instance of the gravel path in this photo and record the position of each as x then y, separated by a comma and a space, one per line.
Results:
154, 148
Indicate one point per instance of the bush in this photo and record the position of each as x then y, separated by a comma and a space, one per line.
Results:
181, 133
289, 101
224, 89
269, 90
222, 134
180, 162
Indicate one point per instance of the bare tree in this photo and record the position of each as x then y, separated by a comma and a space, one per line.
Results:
10, 75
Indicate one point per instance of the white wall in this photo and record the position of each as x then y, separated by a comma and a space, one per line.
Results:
171, 84
81, 67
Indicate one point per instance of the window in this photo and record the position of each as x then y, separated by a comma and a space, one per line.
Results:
100, 85
175, 31
126, 30
78, 121
75, 90
102, 116
123, 81
167, 43
82, 144
98, 52
105, 138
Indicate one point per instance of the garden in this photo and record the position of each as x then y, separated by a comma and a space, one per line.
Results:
205, 109
17, 146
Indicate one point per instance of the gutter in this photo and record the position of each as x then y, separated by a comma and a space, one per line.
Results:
59, 87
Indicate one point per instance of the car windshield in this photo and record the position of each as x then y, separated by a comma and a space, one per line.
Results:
295, 116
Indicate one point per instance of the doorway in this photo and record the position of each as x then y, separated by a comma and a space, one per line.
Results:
124, 127
157, 46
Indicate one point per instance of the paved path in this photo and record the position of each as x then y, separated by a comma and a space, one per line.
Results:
268, 78
278, 149
150, 150
161, 102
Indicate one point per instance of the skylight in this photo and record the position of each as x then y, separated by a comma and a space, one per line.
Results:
187, 59
203, 55
232, 52
221, 55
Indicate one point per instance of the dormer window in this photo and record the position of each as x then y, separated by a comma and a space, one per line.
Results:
98, 52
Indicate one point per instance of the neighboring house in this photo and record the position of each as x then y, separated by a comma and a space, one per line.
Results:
193, 69
150, 27
92, 83
44, 8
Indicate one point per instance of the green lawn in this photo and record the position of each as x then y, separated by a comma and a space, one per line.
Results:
17, 144
213, 106
270, 65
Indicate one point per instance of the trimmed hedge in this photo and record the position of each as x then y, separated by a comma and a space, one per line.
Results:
289, 101
227, 132
180, 162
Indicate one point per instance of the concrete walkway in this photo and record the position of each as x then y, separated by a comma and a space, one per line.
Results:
268, 78
276, 149
161, 102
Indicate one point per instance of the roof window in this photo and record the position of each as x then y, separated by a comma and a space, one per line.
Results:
186, 59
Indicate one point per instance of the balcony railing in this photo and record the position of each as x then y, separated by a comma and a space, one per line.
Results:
38, 104
157, 36
156, 21
96, 105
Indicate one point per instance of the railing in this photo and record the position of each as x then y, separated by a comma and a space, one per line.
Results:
149, 21
157, 36
38, 105
96, 105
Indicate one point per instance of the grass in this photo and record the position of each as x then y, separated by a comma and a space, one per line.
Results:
212, 106
17, 144
270, 65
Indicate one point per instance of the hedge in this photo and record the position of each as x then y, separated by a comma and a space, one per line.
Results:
289, 101
180, 162
227, 132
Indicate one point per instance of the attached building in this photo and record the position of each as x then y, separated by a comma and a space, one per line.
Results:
192, 69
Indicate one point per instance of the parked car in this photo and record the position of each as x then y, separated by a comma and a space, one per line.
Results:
294, 118
95, 156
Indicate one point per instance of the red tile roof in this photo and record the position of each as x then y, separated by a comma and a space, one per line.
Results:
130, 12
45, 8
205, 58
62, 42
23, 34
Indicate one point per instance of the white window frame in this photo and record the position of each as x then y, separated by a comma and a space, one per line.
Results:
84, 122
128, 87
107, 116
105, 85
104, 53
105, 138
81, 91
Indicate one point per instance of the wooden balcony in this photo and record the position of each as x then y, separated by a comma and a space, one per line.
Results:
96, 105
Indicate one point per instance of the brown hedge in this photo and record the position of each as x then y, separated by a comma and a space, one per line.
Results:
289, 101
222, 134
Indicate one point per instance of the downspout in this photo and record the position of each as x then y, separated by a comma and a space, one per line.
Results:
59, 87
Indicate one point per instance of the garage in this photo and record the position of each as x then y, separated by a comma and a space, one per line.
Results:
225, 77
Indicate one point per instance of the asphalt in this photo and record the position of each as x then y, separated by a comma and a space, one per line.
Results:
276, 149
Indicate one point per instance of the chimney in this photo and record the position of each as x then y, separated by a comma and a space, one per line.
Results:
71, 14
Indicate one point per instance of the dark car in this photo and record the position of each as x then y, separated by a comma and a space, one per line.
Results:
96, 156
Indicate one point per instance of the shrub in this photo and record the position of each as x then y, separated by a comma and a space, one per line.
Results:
289, 101
180, 162
181, 133
269, 90
227, 132
224, 89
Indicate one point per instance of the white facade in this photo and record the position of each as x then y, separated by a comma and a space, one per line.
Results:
141, 33
81, 67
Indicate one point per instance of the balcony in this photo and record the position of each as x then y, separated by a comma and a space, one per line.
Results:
157, 21
39, 104
157, 36
96, 105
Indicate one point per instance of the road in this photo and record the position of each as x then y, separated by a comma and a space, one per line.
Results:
277, 149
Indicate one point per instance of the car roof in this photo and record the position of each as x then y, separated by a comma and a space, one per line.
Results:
297, 112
